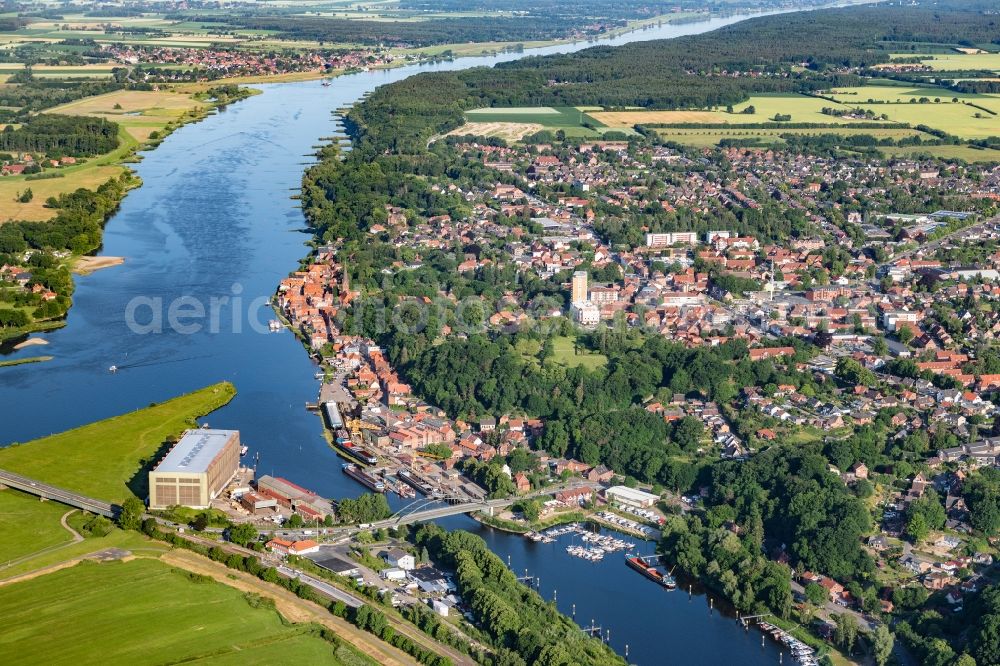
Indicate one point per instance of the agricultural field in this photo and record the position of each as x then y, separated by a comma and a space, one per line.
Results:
89, 175
801, 108
170, 32
147, 103
144, 611
505, 131
623, 119
954, 62
970, 117
91, 71
107, 459
543, 115
707, 138
967, 153
571, 120
961, 118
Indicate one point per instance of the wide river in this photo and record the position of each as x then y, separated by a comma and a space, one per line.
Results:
215, 218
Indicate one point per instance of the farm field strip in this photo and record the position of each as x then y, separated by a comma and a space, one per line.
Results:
801, 108
571, 120
703, 138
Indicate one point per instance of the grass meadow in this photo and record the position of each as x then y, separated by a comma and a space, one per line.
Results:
144, 612
105, 460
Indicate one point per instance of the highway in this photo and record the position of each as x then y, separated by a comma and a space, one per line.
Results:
45, 491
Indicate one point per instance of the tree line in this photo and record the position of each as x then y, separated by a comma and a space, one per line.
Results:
59, 135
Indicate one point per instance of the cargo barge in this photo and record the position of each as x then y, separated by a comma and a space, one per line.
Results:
651, 572
411, 479
363, 477
342, 442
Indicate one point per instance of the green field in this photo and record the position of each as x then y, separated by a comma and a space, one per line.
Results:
107, 459
955, 117
802, 109
32, 559
953, 62
29, 525
967, 153
144, 612
706, 138
564, 354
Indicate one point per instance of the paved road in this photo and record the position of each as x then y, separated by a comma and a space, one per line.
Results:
321, 586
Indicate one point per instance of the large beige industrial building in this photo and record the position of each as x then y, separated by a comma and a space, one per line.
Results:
196, 469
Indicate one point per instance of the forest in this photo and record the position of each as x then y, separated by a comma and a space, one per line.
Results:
37, 94
595, 416
410, 33
57, 136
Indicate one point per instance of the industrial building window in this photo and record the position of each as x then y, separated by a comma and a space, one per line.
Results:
166, 495
189, 495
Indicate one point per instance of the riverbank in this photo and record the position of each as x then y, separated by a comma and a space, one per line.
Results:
514, 527
88, 264
23, 361
108, 459
109, 167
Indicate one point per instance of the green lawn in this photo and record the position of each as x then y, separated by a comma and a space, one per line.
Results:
144, 612
130, 541
565, 355
105, 459
29, 525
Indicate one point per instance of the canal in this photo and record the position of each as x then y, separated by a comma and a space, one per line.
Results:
216, 219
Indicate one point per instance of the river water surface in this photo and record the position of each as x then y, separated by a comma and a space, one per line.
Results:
215, 218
